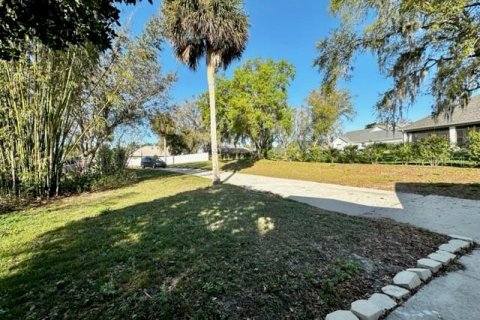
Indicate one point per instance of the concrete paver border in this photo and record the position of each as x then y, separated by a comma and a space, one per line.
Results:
399, 293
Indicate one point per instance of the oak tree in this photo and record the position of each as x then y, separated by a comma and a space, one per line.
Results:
419, 44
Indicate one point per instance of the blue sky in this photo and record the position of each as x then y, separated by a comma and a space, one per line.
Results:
284, 29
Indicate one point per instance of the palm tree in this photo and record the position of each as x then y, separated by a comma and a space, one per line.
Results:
163, 125
216, 29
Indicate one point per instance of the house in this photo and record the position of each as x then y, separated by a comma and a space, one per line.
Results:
374, 133
453, 127
134, 161
150, 151
146, 151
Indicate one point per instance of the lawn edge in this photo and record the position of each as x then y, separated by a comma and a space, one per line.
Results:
396, 294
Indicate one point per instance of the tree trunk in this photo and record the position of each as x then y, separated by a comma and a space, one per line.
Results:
211, 69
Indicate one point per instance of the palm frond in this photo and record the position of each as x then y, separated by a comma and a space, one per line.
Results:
195, 27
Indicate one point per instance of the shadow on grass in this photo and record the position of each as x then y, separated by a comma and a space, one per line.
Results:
457, 190
149, 174
219, 252
437, 207
239, 165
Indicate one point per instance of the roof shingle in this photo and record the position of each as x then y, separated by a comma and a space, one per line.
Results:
372, 135
468, 115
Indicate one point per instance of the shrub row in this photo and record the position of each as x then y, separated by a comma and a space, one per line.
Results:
432, 150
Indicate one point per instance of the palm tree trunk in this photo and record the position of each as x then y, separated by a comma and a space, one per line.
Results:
211, 68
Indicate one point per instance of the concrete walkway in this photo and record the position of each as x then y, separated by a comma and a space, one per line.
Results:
455, 296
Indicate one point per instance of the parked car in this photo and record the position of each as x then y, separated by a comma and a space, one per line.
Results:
73, 164
150, 162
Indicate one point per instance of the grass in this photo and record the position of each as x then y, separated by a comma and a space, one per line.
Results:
172, 246
444, 181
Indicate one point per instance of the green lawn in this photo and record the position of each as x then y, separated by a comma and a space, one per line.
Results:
172, 246
444, 181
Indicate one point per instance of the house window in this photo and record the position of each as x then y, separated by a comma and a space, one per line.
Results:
462, 135
417, 136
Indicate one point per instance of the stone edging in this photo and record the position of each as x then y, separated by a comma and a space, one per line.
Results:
406, 283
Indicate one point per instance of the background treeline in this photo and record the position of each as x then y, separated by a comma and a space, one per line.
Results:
256, 121
181, 129
253, 113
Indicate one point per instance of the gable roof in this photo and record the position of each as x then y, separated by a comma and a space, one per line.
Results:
375, 134
469, 114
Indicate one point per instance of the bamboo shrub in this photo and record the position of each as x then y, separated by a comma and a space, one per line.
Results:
37, 95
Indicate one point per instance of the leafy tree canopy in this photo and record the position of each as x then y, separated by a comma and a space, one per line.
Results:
432, 43
253, 104
127, 86
57, 23
181, 128
327, 110
190, 126
474, 144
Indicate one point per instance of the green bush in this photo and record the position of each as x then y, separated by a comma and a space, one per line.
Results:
78, 182
474, 145
108, 172
460, 155
350, 154
291, 153
332, 155
294, 153
276, 154
111, 160
404, 153
315, 154
434, 150
373, 153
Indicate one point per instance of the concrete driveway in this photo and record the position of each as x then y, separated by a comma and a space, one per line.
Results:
455, 296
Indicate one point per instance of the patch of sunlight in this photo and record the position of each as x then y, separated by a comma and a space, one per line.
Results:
131, 238
176, 205
235, 231
171, 282
214, 190
216, 225
210, 213
265, 225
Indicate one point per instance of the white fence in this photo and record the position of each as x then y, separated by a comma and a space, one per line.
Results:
171, 160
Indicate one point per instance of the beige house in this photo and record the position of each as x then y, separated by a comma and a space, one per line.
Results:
150, 151
135, 158
454, 127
